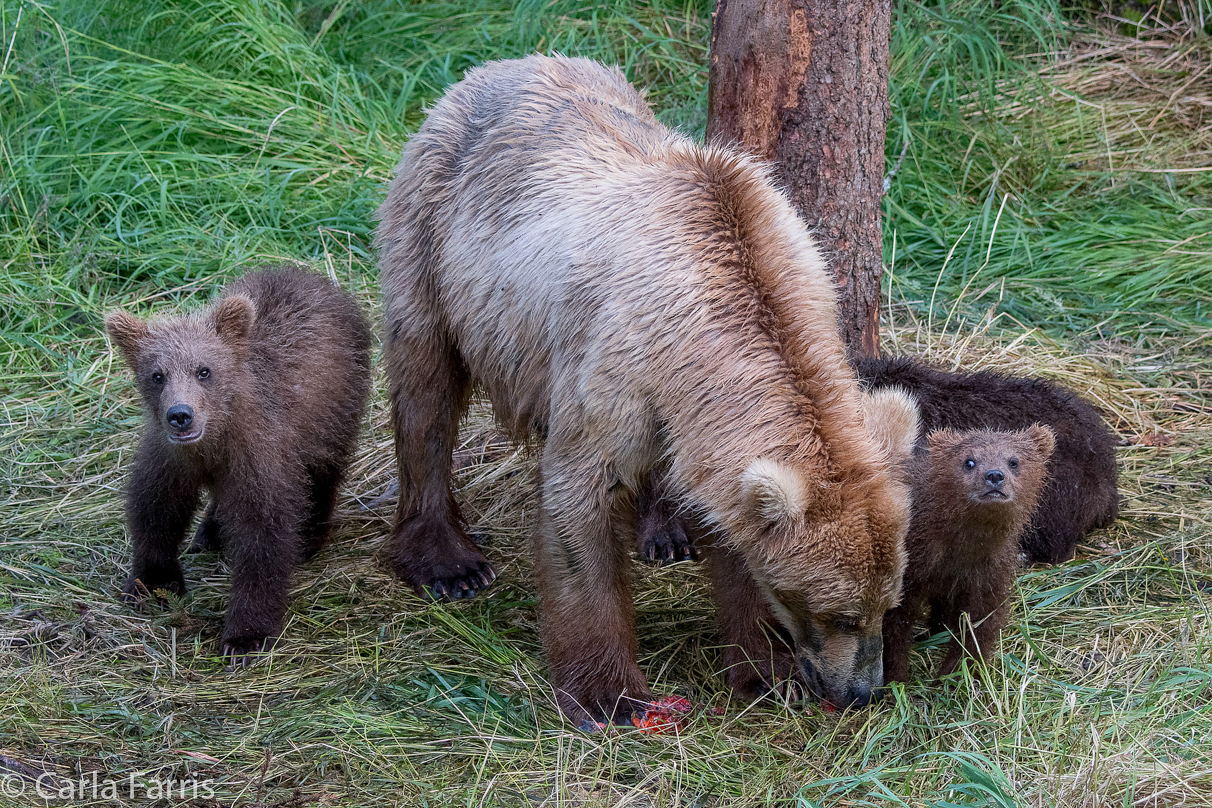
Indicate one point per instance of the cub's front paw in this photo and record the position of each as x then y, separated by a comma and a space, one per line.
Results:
206, 540
152, 583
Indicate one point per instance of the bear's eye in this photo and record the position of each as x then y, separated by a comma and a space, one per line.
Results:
158, 377
1013, 463
846, 624
203, 373
970, 464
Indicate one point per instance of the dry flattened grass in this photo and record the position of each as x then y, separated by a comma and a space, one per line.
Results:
1114, 102
1152, 95
1102, 693
1076, 171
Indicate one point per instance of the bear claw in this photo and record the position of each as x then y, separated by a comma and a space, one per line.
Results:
461, 587
241, 652
137, 591
668, 545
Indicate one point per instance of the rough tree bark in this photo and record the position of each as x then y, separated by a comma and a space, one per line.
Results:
804, 83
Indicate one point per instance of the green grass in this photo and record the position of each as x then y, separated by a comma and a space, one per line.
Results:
1050, 214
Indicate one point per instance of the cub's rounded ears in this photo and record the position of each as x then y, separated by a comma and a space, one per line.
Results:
941, 439
1044, 439
775, 490
891, 417
234, 316
127, 333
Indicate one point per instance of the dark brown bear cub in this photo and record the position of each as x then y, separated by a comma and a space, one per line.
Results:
1081, 493
973, 493
258, 400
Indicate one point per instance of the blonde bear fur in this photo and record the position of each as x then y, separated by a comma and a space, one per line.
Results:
641, 303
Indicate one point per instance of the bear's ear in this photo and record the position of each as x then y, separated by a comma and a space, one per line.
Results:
234, 316
128, 333
1043, 438
775, 490
943, 440
891, 417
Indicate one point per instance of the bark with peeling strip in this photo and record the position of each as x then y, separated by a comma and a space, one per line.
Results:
804, 83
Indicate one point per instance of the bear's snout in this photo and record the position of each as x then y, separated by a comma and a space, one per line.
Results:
861, 695
858, 689
995, 478
180, 416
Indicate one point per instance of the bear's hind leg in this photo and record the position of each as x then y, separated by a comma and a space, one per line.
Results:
324, 479
429, 387
207, 539
661, 535
1045, 543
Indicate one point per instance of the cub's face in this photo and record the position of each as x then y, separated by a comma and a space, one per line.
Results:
188, 368
830, 562
990, 469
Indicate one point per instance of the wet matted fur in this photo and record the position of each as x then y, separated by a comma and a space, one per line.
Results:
973, 494
1081, 495
257, 400
640, 302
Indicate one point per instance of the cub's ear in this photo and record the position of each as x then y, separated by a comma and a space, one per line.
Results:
891, 417
1044, 439
127, 333
775, 490
941, 440
234, 316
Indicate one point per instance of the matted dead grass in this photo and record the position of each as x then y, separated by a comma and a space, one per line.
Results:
1100, 694
1123, 103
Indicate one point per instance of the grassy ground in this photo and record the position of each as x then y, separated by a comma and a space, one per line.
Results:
1050, 211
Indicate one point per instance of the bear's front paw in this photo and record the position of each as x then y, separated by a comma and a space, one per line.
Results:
439, 560
603, 699
143, 586
206, 540
662, 539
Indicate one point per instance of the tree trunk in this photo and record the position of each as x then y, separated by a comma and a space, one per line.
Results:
804, 83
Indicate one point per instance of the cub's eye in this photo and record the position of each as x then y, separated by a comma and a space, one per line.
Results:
203, 373
158, 378
970, 464
1013, 463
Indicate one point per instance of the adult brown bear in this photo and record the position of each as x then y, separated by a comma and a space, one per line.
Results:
644, 304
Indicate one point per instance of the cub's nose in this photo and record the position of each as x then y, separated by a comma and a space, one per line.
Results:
180, 416
994, 477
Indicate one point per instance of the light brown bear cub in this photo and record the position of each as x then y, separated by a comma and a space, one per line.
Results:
257, 400
974, 492
643, 304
